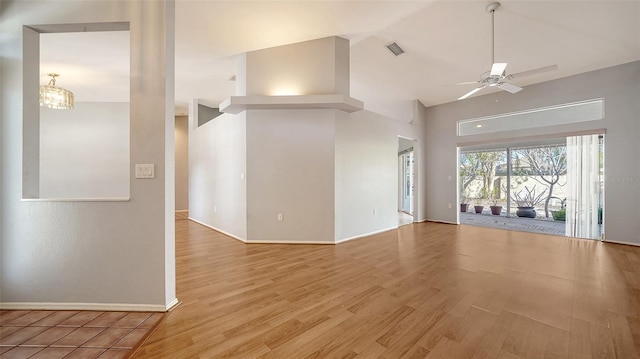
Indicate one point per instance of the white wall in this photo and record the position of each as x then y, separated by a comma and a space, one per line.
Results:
84, 152
420, 170
290, 170
217, 173
367, 172
307, 68
325, 171
182, 162
111, 255
366, 175
617, 85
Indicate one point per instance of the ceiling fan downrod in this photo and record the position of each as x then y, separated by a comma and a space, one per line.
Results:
497, 76
491, 8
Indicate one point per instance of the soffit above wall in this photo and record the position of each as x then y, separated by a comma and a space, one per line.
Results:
237, 104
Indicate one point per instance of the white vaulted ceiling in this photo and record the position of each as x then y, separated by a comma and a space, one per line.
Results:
446, 42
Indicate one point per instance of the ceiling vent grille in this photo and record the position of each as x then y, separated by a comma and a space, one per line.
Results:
395, 49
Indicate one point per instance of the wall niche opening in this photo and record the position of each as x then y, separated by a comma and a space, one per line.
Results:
79, 154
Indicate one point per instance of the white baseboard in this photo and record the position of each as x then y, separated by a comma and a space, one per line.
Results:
103, 307
439, 221
218, 230
258, 241
366, 234
291, 242
287, 242
174, 303
618, 242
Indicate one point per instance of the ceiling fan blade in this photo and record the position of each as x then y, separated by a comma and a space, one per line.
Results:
471, 92
468, 83
497, 69
509, 87
534, 71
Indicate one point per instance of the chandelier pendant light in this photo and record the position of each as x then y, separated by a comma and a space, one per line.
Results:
55, 97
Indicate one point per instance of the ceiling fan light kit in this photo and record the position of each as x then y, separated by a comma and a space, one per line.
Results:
497, 76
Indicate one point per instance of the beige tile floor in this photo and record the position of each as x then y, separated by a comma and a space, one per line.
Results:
42, 334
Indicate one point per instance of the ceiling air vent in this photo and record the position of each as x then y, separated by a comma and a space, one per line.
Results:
395, 48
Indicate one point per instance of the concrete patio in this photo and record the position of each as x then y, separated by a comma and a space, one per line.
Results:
535, 225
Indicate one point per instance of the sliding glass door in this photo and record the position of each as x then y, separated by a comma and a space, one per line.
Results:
406, 178
537, 180
559, 182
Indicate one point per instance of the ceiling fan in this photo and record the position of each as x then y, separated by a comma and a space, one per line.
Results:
497, 77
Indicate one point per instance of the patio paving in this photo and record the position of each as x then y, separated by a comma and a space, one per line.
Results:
534, 225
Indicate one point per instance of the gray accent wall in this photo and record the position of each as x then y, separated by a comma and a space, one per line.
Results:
619, 86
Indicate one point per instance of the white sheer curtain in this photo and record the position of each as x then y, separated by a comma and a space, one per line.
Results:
583, 187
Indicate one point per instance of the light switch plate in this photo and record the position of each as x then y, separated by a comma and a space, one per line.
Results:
145, 170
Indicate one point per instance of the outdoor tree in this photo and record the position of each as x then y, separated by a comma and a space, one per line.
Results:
489, 161
483, 165
547, 165
468, 170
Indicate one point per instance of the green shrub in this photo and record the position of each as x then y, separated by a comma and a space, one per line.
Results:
559, 215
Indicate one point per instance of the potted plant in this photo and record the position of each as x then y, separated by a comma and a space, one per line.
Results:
478, 208
527, 202
464, 201
495, 209
561, 214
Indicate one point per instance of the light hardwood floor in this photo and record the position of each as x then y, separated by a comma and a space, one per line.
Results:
427, 290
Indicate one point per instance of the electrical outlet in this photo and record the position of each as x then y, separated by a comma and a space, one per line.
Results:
450, 205
375, 211
280, 217
215, 209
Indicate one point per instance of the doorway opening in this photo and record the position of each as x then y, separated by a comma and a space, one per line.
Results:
553, 187
406, 179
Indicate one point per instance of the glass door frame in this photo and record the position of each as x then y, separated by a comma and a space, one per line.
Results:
407, 164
